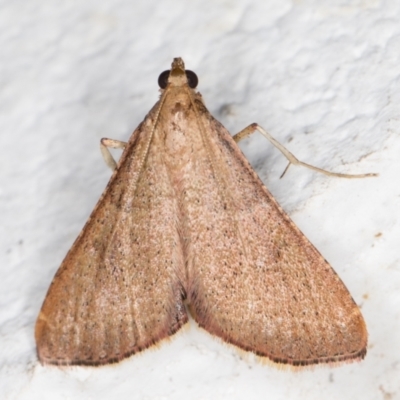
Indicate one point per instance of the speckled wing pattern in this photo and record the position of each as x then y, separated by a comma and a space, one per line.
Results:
118, 291
184, 217
254, 279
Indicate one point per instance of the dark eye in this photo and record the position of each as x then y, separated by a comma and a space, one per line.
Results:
163, 79
192, 78
190, 75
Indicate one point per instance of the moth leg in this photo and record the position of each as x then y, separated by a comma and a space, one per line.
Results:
291, 158
114, 144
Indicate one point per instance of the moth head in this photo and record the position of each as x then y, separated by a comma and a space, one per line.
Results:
178, 76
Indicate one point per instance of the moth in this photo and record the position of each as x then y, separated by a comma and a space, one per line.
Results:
186, 225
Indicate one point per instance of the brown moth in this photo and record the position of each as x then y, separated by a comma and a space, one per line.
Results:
184, 218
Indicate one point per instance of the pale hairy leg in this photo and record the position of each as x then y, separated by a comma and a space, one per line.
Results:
291, 158
105, 144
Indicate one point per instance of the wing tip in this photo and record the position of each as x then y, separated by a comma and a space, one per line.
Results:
264, 357
66, 361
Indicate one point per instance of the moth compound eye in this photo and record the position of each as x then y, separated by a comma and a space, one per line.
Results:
163, 79
192, 78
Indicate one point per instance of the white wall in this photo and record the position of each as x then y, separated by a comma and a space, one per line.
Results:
322, 77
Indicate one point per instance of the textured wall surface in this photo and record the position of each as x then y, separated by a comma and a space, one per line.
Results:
322, 77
